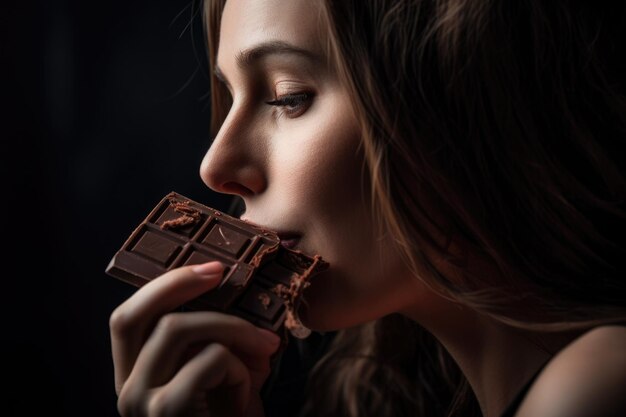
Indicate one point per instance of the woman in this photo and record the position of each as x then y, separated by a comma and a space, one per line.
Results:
458, 163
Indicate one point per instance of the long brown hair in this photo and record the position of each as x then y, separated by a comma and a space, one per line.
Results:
507, 120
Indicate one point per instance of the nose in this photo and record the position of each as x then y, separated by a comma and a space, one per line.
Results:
235, 162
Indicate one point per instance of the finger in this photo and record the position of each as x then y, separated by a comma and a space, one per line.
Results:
214, 370
132, 321
176, 334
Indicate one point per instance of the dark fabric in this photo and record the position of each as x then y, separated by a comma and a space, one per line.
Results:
284, 391
517, 401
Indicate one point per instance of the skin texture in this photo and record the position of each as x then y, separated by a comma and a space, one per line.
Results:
290, 148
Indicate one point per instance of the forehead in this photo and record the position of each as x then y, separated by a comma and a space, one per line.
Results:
246, 23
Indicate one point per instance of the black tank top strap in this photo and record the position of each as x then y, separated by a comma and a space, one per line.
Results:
511, 409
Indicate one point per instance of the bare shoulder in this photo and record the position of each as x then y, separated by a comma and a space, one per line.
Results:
585, 379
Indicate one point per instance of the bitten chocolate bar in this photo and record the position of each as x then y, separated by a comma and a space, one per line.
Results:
263, 281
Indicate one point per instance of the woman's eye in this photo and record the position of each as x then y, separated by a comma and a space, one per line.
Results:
293, 105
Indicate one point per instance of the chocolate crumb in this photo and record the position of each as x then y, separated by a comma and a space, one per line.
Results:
189, 215
179, 222
282, 291
265, 300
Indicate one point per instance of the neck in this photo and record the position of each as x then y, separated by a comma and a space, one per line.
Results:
496, 359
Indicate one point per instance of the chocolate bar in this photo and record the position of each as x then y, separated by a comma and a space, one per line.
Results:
262, 282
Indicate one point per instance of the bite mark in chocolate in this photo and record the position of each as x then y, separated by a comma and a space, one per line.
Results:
291, 297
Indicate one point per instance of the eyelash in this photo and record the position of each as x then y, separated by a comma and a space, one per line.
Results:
293, 105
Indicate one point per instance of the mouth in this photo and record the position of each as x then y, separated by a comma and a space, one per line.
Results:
289, 240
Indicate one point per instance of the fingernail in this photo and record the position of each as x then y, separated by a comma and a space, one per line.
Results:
271, 337
208, 269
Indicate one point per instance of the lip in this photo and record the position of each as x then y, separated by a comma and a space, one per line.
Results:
289, 240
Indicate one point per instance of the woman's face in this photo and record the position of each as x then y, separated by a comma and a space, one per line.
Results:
290, 148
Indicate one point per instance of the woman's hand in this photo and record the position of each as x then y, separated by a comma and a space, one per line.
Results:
186, 364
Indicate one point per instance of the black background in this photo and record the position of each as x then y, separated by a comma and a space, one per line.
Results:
105, 110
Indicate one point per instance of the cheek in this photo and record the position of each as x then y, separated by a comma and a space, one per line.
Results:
321, 175
318, 162
324, 175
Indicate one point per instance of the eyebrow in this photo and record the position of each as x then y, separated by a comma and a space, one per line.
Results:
248, 57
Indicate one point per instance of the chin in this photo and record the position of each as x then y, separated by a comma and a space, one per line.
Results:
322, 308
320, 322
